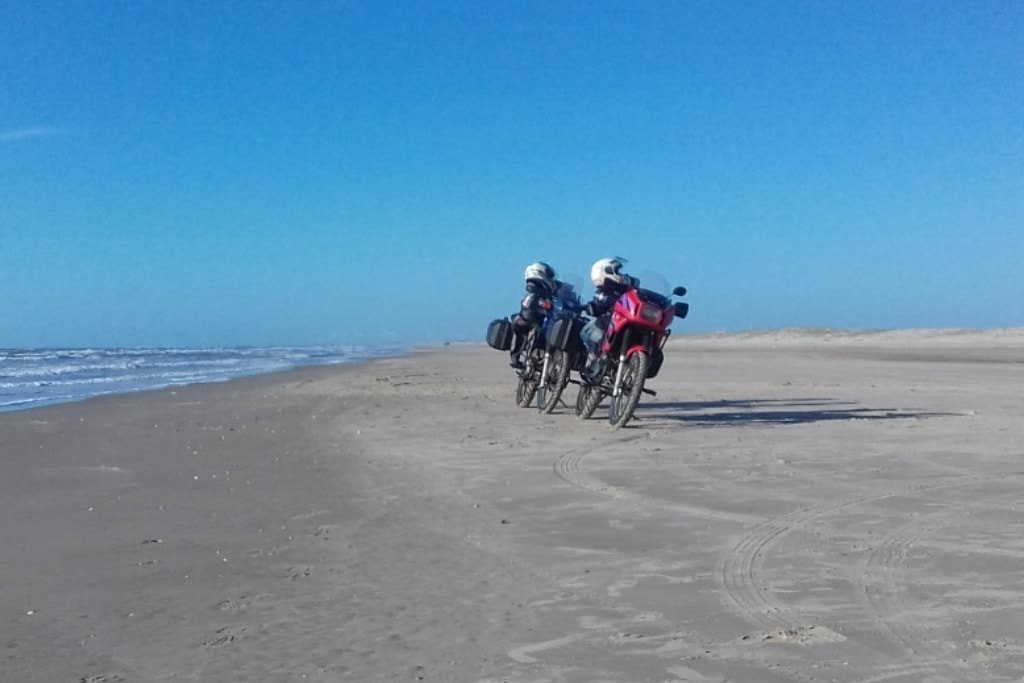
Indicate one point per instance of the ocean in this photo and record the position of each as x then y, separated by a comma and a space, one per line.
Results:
31, 378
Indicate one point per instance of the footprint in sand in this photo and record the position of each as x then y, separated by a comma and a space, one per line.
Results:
296, 573
224, 636
239, 603
324, 531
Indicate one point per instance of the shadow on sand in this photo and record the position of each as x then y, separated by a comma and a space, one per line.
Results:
771, 411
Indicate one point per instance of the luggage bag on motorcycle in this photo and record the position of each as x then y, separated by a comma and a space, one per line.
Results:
499, 334
565, 334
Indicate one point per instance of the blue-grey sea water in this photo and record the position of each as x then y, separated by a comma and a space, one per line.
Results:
36, 377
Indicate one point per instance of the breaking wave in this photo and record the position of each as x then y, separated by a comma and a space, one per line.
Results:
36, 377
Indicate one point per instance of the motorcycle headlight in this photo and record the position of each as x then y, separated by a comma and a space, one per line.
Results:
650, 312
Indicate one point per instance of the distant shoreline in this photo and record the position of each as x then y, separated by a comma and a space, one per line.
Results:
36, 378
1007, 339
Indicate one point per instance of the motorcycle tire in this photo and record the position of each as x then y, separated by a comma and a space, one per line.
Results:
587, 401
543, 390
621, 408
552, 386
525, 390
529, 379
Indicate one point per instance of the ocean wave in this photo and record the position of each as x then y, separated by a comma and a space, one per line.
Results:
30, 377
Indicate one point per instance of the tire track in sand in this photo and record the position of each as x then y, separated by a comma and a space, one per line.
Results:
883, 570
883, 583
741, 579
568, 466
740, 572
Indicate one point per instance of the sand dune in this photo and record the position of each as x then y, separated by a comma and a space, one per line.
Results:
793, 506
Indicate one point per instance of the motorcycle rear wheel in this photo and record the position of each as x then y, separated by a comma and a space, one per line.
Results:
552, 386
524, 391
621, 408
587, 401
529, 379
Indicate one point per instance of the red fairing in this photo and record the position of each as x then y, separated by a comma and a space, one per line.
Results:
631, 352
630, 310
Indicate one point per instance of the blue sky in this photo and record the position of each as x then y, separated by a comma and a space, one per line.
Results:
267, 173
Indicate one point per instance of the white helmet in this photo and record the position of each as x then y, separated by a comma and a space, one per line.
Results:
608, 269
540, 272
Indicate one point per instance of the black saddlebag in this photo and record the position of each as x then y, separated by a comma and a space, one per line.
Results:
565, 334
499, 334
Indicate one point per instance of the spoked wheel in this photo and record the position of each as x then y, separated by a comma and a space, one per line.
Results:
524, 392
529, 378
587, 401
554, 381
543, 388
622, 406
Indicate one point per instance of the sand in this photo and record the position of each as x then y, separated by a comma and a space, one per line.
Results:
792, 506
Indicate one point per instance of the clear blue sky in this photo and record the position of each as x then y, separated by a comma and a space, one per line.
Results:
316, 172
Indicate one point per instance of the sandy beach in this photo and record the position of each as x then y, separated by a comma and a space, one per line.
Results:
793, 506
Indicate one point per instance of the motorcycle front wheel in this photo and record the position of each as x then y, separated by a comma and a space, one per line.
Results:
553, 384
621, 408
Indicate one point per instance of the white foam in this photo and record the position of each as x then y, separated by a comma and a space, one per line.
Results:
31, 377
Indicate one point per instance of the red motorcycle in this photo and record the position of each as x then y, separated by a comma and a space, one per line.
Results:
631, 352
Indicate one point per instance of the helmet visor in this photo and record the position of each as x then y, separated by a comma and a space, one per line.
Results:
615, 267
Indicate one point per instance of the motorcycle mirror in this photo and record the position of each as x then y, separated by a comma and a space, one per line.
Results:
679, 291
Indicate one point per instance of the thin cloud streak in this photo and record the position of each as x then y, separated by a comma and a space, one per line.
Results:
19, 134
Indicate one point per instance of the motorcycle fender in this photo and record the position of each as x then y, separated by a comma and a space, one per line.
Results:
633, 349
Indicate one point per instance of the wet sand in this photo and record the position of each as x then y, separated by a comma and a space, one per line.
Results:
791, 507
